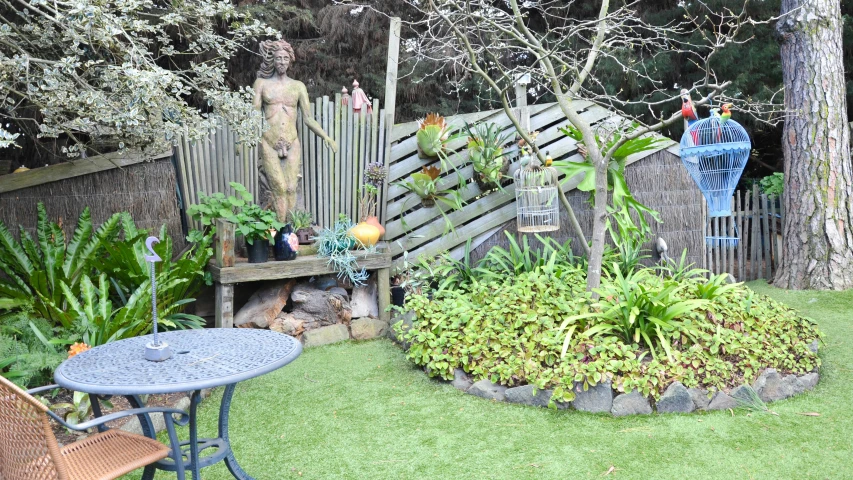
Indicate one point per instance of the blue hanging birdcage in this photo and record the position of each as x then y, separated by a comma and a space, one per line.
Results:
715, 153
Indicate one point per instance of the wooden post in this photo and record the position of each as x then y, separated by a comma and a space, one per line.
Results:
224, 244
383, 277
224, 305
521, 101
390, 103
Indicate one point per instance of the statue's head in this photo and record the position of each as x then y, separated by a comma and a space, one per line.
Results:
276, 57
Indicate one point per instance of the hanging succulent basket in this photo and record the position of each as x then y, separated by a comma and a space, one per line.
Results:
488, 184
424, 156
428, 202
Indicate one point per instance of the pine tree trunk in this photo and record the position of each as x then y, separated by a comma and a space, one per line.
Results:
817, 250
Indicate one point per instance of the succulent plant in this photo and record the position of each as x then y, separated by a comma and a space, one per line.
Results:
375, 174
486, 152
432, 133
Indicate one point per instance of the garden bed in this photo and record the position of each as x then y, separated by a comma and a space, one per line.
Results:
527, 331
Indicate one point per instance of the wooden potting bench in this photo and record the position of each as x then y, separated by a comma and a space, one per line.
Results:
228, 270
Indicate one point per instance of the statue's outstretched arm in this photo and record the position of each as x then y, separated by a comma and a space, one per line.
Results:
258, 101
305, 104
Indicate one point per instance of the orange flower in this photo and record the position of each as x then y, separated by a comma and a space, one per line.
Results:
432, 171
78, 347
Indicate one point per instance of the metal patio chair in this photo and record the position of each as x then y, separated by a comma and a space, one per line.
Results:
29, 450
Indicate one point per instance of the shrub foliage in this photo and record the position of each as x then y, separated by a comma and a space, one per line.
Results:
534, 323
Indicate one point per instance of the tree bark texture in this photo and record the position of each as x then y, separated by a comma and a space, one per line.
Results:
817, 250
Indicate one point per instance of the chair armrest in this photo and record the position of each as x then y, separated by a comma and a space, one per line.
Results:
182, 420
45, 388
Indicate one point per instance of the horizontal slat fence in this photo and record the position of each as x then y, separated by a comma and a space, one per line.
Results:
756, 220
330, 180
418, 230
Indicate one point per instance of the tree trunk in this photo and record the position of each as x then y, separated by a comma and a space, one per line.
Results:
599, 218
817, 250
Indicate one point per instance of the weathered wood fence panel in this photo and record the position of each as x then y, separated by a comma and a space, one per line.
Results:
329, 181
756, 220
418, 230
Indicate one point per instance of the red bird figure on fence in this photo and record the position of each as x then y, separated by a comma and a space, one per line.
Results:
688, 111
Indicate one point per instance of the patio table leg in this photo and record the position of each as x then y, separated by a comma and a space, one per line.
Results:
147, 430
195, 399
224, 410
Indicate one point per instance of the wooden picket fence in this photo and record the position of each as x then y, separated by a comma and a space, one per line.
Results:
329, 180
757, 222
211, 164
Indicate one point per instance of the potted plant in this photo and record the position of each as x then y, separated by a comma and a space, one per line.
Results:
337, 243
424, 185
301, 220
255, 224
374, 177
486, 152
432, 135
367, 233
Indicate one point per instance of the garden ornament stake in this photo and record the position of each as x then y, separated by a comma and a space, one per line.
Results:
155, 351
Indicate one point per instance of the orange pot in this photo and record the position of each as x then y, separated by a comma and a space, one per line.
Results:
365, 233
375, 222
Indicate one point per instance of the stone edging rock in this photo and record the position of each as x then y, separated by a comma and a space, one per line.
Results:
770, 386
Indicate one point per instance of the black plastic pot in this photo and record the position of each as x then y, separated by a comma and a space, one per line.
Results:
258, 250
281, 248
398, 296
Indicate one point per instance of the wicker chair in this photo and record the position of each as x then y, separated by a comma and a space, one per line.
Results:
29, 451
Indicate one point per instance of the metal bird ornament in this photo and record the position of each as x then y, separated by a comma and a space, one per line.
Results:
688, 110
155, 351
727, 113
661, 248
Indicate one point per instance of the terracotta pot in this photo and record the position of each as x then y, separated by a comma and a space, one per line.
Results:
365, 233
375, 222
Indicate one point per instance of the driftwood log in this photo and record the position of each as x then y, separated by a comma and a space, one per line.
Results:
264, 305
317, 308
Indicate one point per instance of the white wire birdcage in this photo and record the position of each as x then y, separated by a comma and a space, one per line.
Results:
537, 204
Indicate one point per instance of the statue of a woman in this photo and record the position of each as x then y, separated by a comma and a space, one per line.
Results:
278, 97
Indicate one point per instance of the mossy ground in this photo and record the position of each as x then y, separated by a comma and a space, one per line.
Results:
362, 411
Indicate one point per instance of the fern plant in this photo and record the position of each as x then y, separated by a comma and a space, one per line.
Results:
34, 268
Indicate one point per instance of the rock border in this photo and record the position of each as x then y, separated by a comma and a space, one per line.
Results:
771, 386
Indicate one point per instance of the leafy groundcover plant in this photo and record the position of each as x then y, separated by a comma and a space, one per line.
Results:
537, 325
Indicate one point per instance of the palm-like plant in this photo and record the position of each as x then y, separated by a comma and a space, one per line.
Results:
34, 269
639, 308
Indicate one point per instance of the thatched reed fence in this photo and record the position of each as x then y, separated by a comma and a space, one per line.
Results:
142, 185
757, 222
329, 181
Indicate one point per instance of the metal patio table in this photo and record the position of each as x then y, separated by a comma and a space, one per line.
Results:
200, 359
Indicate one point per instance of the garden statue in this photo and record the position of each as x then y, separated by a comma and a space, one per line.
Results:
278, 97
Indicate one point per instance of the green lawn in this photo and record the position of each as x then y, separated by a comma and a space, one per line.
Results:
361, 411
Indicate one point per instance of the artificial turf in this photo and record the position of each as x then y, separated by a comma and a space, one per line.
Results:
362, 411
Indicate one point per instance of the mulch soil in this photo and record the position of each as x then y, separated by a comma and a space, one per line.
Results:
65, 437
